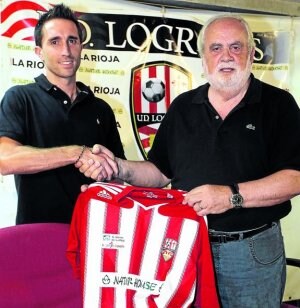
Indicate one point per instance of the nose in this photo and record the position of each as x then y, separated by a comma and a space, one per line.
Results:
226, 55
66, 50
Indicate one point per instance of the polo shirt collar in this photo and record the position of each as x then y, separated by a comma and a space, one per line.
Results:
45, 84
253, 94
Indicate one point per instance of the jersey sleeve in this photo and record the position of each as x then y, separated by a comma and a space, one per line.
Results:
75, 236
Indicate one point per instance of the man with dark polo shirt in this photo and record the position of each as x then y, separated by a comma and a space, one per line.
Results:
47, 126
234, 145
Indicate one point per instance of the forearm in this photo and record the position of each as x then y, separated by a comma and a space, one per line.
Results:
271, 190
27, 160
141, 173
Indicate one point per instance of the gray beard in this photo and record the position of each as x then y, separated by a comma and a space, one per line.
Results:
229, 85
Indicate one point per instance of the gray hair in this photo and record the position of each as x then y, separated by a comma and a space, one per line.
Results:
201, 37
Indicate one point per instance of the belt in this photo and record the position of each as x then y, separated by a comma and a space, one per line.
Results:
224, 237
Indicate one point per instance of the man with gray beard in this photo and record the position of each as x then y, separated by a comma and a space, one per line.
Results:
234, 145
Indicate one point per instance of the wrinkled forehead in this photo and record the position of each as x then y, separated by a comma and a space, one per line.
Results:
226, 31
227, 21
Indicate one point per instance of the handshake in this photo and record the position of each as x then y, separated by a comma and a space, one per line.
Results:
100, 164
97, 163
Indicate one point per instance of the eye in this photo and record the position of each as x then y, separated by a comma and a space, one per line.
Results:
73, 41
54, 42
215, 48
236, 48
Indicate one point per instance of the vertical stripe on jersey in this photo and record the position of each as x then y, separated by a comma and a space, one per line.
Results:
140, 234
94, 241
129, 218
151, 253
109, 256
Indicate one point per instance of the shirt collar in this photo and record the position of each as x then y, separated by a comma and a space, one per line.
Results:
45, 84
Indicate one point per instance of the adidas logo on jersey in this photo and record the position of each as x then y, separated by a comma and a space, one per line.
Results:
169, 196
150, 195
104, 194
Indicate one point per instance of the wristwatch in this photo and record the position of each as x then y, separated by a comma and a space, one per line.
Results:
236, 199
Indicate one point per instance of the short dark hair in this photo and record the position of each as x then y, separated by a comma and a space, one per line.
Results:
58, 11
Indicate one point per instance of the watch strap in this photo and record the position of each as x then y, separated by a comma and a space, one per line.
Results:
234, 188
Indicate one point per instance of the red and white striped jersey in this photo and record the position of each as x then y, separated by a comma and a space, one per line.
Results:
140, 247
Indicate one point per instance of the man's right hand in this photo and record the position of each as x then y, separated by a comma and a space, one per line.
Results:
98, 164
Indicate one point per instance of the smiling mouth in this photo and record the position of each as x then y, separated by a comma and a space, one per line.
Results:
66, 62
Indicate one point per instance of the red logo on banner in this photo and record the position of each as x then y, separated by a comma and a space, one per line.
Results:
19, 18
154, 86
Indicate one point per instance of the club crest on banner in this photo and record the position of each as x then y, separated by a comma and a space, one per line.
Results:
154, 86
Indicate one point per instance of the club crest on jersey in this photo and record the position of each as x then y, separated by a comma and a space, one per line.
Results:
168, 248
154, 85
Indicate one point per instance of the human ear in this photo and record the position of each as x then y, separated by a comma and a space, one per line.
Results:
39, 52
